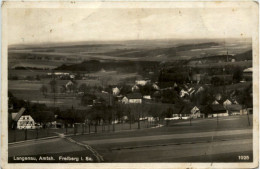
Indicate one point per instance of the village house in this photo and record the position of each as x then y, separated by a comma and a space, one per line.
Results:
248, 73
124, 100
134, 98
236, 109
183, 93
195, 113
70, 86
142, 82
115, 91
26, 122
155, 86
148, 97
217, 110
135, 88
21, 121
196, 78
226, 103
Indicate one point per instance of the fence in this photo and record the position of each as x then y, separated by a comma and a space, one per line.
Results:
80, 128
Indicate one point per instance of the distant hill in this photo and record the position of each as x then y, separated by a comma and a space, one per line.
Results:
248, 55
167, 51
215, 58
112, 65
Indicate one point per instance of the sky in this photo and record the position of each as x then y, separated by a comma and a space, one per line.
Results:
44, 25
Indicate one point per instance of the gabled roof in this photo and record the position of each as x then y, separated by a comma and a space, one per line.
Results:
134, 96
215, 102
248, 70
19, 114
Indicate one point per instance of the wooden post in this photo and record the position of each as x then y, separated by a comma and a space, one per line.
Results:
37, 133
75, 129
47, 131
114, 121
25, 136
217, 119
14, 134
66, 128
248, 118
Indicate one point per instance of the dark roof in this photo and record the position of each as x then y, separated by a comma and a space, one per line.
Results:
19, 114
234, 107
217, 107
134, 96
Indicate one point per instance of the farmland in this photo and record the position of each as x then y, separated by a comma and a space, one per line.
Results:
167, 50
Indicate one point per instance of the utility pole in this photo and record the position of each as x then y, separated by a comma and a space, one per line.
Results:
248, 118
217, 119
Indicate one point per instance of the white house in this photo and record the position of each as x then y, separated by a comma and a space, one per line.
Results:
115, 91
227, 102
183, 93
69, 84
124, 100
148, 97
23, 121
26, 122
248, 70
72, 76
155, 86
142, 82
134, 98
195, 112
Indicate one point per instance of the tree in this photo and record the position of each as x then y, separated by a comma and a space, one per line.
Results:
53, 85
216, 81
169, 96
237, 75
168, 114
83, 88
44, 90
87, 99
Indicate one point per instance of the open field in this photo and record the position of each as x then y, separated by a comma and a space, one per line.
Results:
19, 135
204, 141
156, 50
243, 64
21, 88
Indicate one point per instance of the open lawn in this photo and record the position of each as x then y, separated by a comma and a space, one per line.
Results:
20, 135
204, 140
